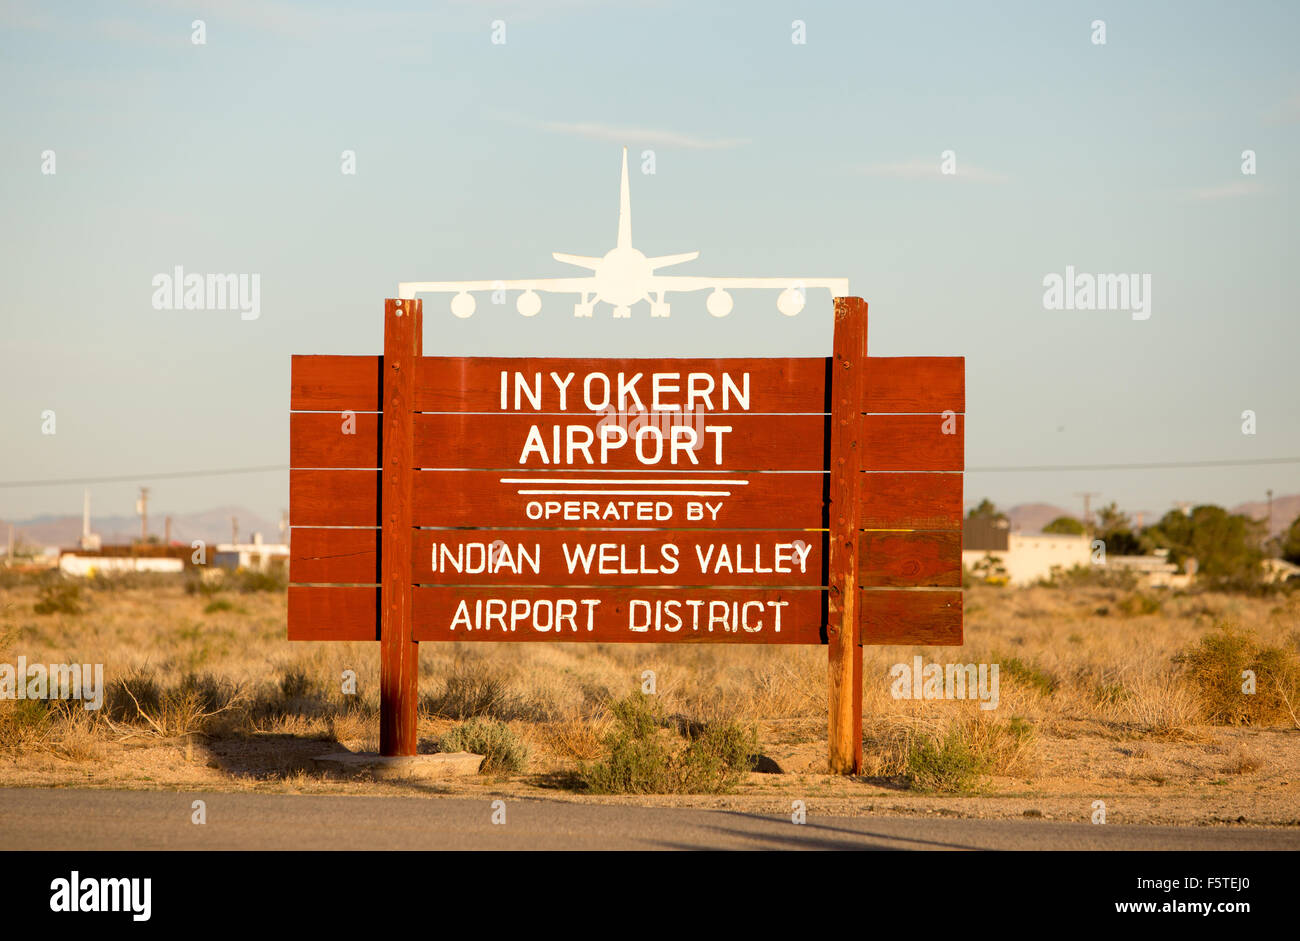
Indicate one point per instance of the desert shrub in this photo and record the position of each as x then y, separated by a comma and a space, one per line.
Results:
1091, 576
971, 748
130, 581
631, 766
644, 757
950, 764
501, 750
127, 697
23, 723
640, 715
298, 691
717, 758
1214, 666
197, 584
472, 691
218, 605
1138, 604
1027, 674
192, 705
250, 580
59, 597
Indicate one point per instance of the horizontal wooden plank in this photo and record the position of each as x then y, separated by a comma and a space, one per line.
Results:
665, 558
555, 557
910, 560
620, 615
333, 613
915, 384
910, 501
335, 383
474, 384
733, 442
527, 442
889, 616
324, 556
333, 439
911, 616
334, 497
913, 443
723, 501
566, 501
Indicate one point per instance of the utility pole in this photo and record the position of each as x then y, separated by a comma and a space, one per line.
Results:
9, 559
1268, 532
167, 530
143, 507
1087, 508
284, 527
234, 530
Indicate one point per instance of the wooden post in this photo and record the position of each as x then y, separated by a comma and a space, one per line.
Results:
846, 391
398, 652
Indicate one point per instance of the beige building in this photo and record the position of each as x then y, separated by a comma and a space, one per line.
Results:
992, 550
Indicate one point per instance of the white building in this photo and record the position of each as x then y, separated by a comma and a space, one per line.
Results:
989, 548
1155, 571
85, 565
258, 555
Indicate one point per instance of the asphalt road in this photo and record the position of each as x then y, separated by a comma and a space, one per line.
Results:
132, 820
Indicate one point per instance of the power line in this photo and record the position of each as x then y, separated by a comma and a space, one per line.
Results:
124, 478
1155, 465
267, 468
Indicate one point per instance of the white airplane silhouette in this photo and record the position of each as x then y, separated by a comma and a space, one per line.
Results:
623, 277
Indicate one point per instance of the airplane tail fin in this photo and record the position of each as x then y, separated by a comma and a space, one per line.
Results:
624, 209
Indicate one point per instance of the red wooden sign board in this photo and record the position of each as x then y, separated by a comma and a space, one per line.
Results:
813, 500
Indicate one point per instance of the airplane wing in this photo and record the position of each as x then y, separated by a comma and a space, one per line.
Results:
837, 286
408, 289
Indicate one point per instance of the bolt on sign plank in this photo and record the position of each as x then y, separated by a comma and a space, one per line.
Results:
809, 500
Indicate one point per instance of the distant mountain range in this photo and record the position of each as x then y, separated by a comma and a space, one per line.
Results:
1032, 517
212, 526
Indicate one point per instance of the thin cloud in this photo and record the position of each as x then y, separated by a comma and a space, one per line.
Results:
593, 130
1226, 191
929, 170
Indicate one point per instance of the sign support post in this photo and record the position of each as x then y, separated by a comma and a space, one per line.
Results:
398, 652
847, 387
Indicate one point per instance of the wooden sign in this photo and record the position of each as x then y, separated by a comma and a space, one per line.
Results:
813, 500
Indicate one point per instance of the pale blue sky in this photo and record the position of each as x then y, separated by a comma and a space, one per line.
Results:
478, 160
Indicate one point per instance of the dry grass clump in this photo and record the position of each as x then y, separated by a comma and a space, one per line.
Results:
648, 753
139, 701
473, 690
576, 738
1242, 761
955, 752
501, 749
1160, 705
1217, 669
